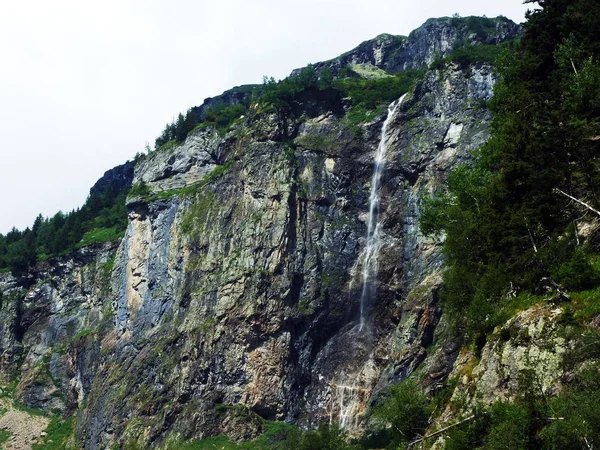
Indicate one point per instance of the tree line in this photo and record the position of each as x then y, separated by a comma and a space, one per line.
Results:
102, 217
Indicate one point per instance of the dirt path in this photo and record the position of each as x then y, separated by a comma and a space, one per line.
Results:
24, 428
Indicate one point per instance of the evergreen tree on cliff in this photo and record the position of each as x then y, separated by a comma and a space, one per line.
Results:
512, 219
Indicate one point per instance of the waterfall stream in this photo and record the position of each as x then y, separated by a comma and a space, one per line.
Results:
351, 391
369, 272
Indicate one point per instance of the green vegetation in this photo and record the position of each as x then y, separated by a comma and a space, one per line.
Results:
481, 26
326, 437
273, 437
532, 422
407, 410
220, 116
567, 421
98, 235
467, 54
59, 435
370, 96
282, 97
102, 218
4, 436
280, 436
142, 190
579, 408
177, 130
198, 211
28, 410
507, 220
502, 426
107, 268
470, 54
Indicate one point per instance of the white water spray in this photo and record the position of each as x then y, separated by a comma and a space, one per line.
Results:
369, 272
350, 400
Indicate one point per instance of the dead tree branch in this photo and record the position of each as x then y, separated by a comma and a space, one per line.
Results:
440, 431
577, 200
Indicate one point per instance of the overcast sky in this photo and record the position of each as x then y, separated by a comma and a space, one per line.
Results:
84, 85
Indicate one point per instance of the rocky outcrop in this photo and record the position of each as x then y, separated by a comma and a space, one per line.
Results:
118, 179
439, 37
236, 283
47, 320
235, 96
527, 351
435, 38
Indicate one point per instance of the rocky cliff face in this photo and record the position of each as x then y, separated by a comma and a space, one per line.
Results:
435, 38
118, 179
235, 290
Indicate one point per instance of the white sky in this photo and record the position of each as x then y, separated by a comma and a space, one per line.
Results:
84, 85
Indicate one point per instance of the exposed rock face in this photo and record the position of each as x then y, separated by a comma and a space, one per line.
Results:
439, 37
527, 345
526, 355
47, 322
436, 37
230, 97
118, 178
235, 290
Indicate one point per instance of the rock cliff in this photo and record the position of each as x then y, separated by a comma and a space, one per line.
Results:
235, 291
435, 38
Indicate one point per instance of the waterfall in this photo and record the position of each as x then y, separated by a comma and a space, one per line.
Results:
351, 390
350, 399
369, 272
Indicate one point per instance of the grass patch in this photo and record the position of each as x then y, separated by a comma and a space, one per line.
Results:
370, 96
510, 308
274, 432
100, 235
369, 72
222, 117
466, 54
168, 146
316, 142
198, 212
59, 435
586, 304
216, 443
107, 268
28, 410
4, 436
140, 189
471, 54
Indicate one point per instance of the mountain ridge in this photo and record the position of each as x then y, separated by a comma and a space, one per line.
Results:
232, 298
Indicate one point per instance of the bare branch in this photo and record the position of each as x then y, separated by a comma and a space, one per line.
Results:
440, 431
574, 69
577, 200
531, 236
